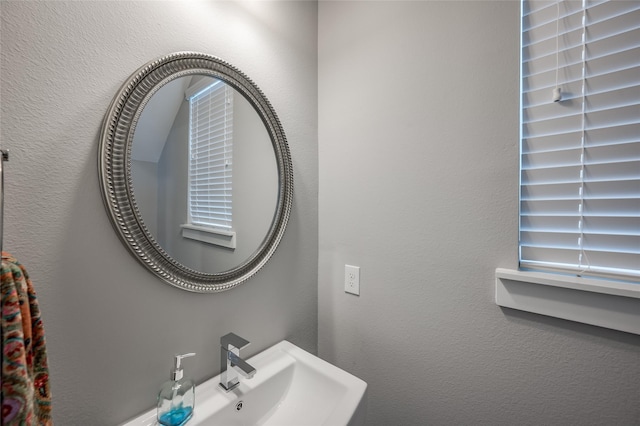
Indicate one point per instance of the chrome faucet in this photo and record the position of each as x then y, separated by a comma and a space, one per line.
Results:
230, 362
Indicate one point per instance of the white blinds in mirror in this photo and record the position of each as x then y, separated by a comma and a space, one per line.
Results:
210, 156
580, 157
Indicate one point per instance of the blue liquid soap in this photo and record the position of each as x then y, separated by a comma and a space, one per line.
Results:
176, 417
176, 398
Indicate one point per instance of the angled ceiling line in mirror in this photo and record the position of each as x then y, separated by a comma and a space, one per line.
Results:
115, 171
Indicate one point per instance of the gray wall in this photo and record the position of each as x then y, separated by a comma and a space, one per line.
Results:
145, 179
112, 327
418, 147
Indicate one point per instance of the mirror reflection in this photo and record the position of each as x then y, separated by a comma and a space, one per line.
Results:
204, 173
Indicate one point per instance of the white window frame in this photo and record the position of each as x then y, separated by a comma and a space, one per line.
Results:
212, 224
604, 302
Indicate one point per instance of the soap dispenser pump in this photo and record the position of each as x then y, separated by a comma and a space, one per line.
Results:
176, 399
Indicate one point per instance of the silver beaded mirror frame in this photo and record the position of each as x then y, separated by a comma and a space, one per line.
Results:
115, 169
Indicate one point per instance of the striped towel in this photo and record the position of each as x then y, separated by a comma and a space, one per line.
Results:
26, 396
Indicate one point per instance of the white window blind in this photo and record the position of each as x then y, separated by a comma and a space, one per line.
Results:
210, 156
580, 157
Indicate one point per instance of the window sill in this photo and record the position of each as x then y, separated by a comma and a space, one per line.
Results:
608, 304
213, 236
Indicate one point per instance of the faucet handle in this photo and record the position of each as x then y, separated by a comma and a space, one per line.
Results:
231, 339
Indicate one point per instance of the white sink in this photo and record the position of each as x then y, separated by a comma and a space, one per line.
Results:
291, 387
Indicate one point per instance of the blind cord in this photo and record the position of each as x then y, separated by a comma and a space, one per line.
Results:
557, 92
583, 259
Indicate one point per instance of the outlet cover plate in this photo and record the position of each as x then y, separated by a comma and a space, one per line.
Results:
352, 279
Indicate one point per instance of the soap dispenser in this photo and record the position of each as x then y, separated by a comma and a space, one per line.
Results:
177, 396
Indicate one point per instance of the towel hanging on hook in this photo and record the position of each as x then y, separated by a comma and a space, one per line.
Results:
4, 157
25, 391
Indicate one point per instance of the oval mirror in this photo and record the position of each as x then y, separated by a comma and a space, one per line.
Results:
195, 172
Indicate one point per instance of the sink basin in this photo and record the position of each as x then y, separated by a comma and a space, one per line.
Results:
291, 387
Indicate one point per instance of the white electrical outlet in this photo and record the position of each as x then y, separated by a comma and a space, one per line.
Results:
352, 279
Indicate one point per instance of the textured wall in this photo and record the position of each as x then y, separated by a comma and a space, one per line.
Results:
112, 327
418, 151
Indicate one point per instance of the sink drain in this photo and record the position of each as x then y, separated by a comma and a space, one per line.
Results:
239, 406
